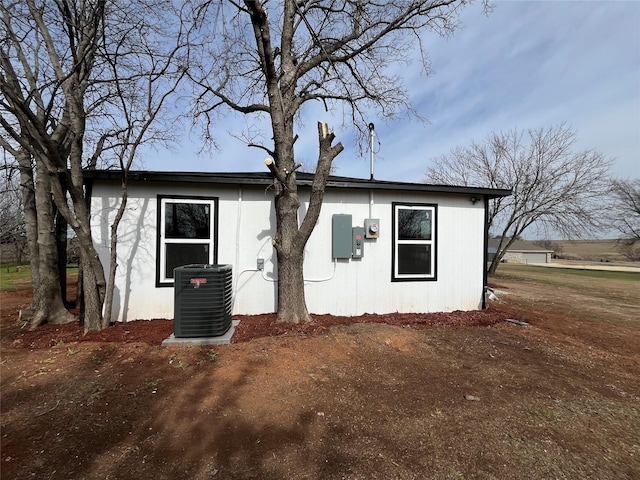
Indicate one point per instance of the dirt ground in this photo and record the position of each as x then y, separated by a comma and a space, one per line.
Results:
448, 396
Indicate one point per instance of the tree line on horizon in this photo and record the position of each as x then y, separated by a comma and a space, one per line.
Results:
556, 189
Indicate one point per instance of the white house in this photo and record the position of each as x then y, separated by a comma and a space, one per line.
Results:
422, 248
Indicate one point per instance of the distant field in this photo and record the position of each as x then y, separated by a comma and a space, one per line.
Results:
590, 250
581, 279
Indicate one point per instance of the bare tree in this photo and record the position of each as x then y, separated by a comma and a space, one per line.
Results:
83, 83
47, 61
48, 301
626, 216
269, 59
145, 70
12, 224
554, 188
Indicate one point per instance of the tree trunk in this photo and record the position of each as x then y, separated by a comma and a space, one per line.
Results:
501, 251
47, 303
292, 307
113, 258
71, 180
93, 280
495, 262
92, 294
61, 247
28, 188
291, 239
111, 281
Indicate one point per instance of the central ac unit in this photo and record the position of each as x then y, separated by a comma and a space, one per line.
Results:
203, 300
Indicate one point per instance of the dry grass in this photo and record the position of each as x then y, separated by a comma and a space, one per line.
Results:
592, 250
556, 399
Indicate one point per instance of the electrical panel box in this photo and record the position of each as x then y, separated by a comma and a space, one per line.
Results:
371, 228
341, 236
358, 242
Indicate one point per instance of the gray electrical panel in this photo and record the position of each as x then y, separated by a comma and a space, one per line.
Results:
341, 236
357, 238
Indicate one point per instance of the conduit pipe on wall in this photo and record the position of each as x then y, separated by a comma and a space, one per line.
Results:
319, 280
372, 155
238, 222
305, 280
237, 260
370, 203
237, 281
264, 277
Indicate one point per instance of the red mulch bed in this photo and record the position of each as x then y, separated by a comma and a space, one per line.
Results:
153, 332
265, 325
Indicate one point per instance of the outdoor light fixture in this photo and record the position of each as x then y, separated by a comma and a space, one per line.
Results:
474, 200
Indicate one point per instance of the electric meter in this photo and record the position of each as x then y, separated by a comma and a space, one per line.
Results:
371, 227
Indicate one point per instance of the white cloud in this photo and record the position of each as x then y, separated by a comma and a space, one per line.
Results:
529, 64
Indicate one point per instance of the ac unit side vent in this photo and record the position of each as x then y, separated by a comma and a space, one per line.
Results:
202, 300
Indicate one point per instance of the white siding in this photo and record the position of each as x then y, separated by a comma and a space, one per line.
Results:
246, 224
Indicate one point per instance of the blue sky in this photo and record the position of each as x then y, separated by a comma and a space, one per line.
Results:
529, 64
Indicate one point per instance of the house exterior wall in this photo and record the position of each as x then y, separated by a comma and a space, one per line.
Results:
246, 223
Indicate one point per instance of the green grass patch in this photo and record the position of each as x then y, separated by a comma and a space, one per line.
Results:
12, 273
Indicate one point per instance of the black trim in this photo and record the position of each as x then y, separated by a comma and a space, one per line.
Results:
394, 239
303, 179
159, 198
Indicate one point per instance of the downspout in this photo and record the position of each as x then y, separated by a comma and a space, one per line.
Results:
485, 253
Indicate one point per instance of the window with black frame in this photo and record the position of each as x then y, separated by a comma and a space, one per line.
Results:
186, 234
414, 244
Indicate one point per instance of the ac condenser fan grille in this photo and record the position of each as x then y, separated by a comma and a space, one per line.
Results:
203, 300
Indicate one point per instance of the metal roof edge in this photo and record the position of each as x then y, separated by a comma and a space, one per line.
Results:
304, 179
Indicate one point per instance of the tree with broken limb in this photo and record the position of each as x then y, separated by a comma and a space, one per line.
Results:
271, 58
